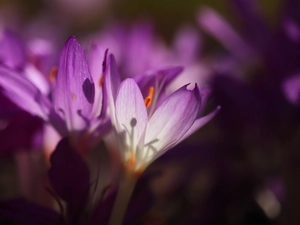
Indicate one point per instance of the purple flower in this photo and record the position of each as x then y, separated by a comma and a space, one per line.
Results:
71, 111
142, 134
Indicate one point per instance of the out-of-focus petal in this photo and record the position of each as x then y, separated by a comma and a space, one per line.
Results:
12, 52
172, 119
217, 26
187, 44
37, 78
131, 113
291, 89
96, 61
75, 91
23, 93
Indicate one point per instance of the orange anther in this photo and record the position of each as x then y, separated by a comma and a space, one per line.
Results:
149, 98
53, 73
101, 81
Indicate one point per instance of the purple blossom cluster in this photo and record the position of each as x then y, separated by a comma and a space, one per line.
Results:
105, 129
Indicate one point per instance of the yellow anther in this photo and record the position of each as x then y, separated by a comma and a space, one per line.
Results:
149, 98
53, 74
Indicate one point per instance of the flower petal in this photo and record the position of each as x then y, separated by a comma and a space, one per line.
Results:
131, 113
75, 91
159, 80
12, 52
112, 82
199, 123
214, 24
173, 119
96, 65
23, 93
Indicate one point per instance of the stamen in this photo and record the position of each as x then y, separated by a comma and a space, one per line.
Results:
149, 98
53, 74
101, 81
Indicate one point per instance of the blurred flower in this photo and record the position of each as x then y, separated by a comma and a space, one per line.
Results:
138, 48
71, 110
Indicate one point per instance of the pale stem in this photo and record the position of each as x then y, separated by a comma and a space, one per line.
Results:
124, 193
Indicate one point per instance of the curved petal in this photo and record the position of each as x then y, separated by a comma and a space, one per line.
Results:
131, 113
23, 93
96, 64
199, 123
173, 119
111, 85
75, 91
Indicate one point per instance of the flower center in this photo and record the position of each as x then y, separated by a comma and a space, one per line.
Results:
148, 100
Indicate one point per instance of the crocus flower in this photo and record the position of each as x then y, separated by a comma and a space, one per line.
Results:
71, 109
143, 135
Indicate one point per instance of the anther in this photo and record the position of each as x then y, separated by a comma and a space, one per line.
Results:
101, 81
149, 98
53, 74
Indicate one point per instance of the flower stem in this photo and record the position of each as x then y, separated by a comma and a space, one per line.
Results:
124, 193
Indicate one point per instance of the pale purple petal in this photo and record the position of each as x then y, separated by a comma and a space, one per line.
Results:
199, 123
12, 52
74, 92
173, 119
37, 78
213, 23
131, 113
111, 84
187, 45
23, 93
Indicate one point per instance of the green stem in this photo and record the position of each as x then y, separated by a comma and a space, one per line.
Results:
124, 193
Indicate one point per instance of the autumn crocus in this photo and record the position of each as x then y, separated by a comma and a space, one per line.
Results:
71, 110
144, 135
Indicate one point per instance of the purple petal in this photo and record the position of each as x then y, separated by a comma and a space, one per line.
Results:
163, 77
200, 123
159, 79
217, 26
23, 93
112, 82
12, 52
69, 176
75, 91
131, 112
173, 119
248, 11
187, 44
